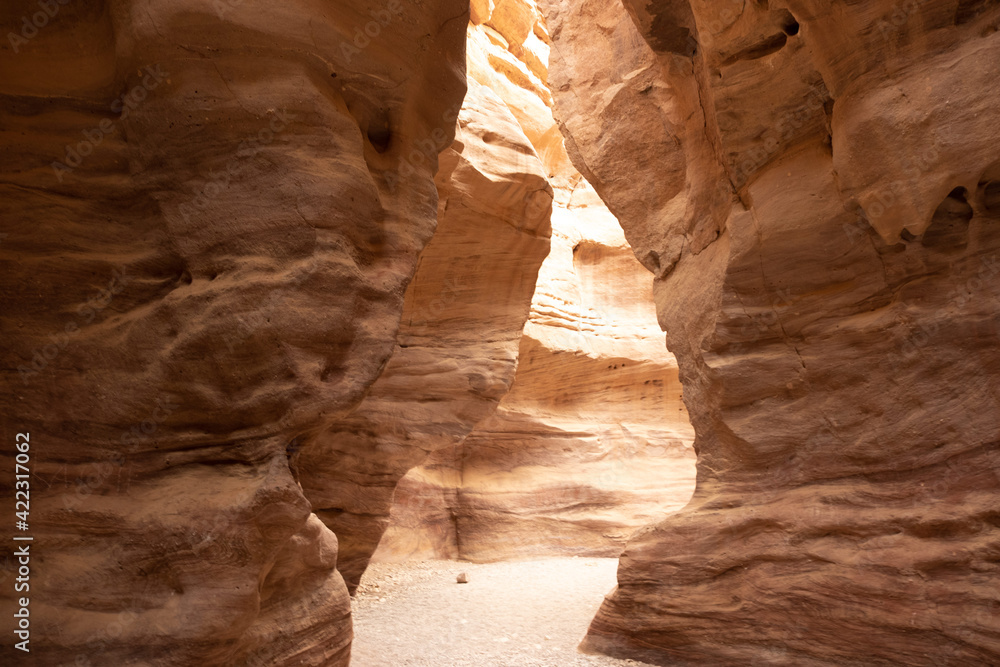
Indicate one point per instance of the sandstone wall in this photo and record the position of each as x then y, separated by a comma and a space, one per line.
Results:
211, 211
457, 346
814, 187
592, 442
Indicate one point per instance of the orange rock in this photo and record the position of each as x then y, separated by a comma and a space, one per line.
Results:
222, 253
809, 187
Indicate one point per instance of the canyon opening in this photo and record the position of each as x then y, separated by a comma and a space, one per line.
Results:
500, 333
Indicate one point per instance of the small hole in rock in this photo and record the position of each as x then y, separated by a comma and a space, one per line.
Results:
379, 134
379, 139
786, 22
949, 230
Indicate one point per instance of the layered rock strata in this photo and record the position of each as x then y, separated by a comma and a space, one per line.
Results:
457, 347
814, 188
211, 212
592, 442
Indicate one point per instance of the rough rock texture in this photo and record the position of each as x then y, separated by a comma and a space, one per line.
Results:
814, 186
214, 269
592, 442
457, 345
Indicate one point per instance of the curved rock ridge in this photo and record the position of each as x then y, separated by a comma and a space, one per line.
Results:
592, 442
814, 187
211, 212
455, 360
457, 347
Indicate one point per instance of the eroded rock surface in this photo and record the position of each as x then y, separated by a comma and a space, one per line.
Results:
592, 442
814, 187
211, 212
458, 341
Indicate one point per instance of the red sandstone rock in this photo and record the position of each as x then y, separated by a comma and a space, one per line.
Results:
592, 441
222, 259
458, 340
841, 373
211, 216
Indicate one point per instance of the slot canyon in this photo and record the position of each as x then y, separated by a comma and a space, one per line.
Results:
295, 291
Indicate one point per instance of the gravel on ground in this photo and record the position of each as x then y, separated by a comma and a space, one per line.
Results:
512, 614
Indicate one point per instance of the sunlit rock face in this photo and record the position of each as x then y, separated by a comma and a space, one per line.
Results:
458, 341
814, 186
211, 212
592, 442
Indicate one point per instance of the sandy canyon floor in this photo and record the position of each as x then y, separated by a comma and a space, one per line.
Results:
512, 614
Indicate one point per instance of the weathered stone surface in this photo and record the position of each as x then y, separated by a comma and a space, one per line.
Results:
457, 344
592, 442
514, 19
480, 10
216, 268
211, 216
425, 403
814, 187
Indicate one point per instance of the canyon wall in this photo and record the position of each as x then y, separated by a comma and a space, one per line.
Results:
457, 346
592, 442
211, 212
815, 188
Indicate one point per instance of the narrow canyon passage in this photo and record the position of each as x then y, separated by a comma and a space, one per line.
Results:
501, 433
674, 324
530, 407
